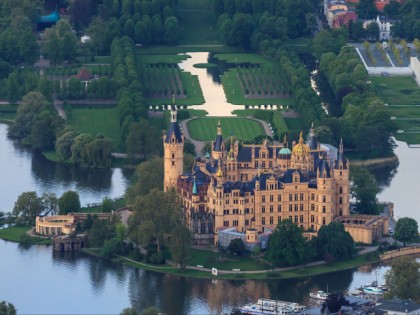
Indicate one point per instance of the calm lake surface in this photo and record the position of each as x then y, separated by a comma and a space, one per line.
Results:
38, 281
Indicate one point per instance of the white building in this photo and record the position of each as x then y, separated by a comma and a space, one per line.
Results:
384, 27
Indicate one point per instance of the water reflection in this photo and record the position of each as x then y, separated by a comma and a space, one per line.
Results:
23, 170
400, 184
214, 96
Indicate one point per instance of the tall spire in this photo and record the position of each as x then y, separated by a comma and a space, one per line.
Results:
173, 109
194, 190
219, 128
285, 141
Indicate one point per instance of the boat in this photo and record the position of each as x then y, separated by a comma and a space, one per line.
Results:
356, 292
319, 295
372, 290
271, 307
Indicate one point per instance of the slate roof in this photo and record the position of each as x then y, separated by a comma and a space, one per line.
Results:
340, 158
288, 176
322, 167
397, 305
245, 154
173, 130
242, 186
217, 146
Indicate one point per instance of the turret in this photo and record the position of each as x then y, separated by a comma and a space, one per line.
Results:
218, 145
341, 187
173, 143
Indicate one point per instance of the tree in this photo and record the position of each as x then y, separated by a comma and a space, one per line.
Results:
49, 203
129, 311
69, 202
100, 232
154, 216
364, 189
403, 279
7, 308
179, 244
366, 9
236, 246
152, 310
28, 205
64, 143
333, 241
287, 246
406, 230
149, 175
37, 120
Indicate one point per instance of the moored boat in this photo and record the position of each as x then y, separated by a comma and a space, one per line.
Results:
271, 307
319, 295
372, 290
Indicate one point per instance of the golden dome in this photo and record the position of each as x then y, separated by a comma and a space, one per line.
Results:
219, 172
301, 149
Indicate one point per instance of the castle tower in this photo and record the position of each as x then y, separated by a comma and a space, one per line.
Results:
325, 191
173, 146
342, 183
231, 162
218, 145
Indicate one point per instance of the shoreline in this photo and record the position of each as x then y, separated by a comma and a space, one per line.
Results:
376, 162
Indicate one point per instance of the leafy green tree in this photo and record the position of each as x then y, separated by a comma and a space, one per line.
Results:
287, 246
171, 31
236, 246
154, 216
366, 9
69, 202
64, 143
149, 175
333, 241
101, 231
78, 149
28, 205
364, 189
406, 231
403, 279
152, 310
107, 204
7, 308
179, 244
49, 203
36, 121
129, 311
142, 138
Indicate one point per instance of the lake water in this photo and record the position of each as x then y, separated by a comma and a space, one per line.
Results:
22, 170
38, 281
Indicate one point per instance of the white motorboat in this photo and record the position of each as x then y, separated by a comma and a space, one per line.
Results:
319, 295
372, 290
271, 307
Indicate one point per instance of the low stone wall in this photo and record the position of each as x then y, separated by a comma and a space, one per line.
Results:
410, 250
70, 243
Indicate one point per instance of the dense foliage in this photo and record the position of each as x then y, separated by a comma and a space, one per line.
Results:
36, 123
403, 279
364, 189
287, 246
333, 242
407, 230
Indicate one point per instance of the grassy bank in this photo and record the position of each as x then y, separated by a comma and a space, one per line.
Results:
19, 234
373, 163
296, 272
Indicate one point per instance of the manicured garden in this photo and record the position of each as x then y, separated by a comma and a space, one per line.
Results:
96, 119
402, 95
205, 129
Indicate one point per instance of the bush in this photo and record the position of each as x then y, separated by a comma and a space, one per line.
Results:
136, 255
273, 274
157, 259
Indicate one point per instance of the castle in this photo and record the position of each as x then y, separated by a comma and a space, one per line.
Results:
249, 188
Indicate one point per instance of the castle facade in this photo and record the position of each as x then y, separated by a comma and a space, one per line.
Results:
251, 188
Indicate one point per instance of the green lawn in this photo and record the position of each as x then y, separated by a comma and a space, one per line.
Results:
97, 120
294, 124
395, 90
18, 234
209, 259
205, 128
239, 58
162, 58
196, 22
